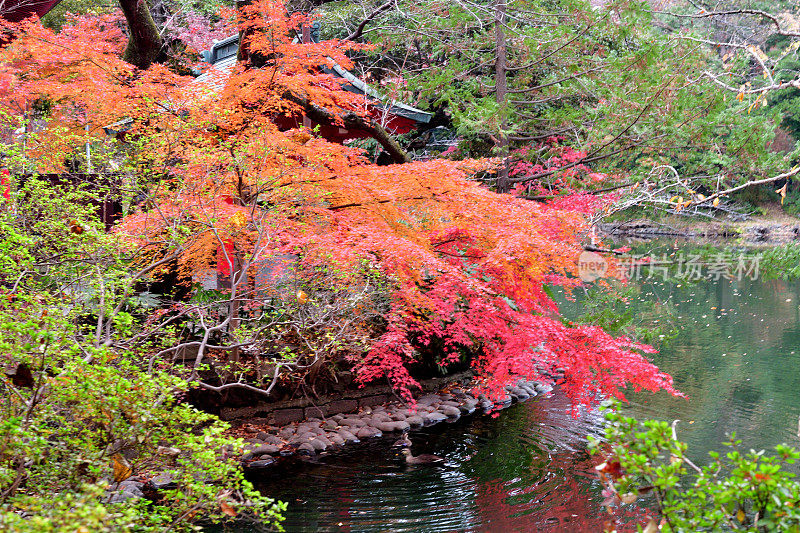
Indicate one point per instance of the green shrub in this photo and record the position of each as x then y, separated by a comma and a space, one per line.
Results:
743, 491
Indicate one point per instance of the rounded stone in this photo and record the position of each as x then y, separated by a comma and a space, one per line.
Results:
402, 425
163, 481
519, 394
378, 419
318, 444
466, 408
415, 421
429, 399
354, 422
449, 411
347, 436
336, 439
121, 497
305, 437
368, 432
385, 427
434, 418
306, 449
264, 462
274, 440
287, 432
270, 449
309, 428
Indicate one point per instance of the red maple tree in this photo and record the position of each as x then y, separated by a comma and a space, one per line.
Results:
467, 269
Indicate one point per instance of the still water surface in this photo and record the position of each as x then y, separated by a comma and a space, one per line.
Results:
736, 358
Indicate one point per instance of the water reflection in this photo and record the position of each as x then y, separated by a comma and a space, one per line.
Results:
736, 358
526, 470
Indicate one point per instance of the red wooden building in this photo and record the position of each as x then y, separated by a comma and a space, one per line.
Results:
395, 117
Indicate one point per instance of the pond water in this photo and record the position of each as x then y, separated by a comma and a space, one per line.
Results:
736, 357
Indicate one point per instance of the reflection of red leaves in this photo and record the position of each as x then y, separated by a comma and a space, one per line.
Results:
610, 497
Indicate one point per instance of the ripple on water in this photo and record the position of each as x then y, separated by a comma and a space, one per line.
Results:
526, 470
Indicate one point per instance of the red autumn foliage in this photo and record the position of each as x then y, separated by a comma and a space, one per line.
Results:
468, 268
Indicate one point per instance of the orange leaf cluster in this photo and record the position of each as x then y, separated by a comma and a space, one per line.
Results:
468, 267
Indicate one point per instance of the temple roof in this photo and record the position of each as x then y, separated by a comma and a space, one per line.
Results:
222, 58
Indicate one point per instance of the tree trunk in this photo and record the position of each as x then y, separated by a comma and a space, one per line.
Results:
501, 93
144, 41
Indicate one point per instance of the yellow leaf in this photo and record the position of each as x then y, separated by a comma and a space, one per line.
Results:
715, 203
740, 96
740, 516
701, 197
122, 470
673, 200
238, 219
302, 297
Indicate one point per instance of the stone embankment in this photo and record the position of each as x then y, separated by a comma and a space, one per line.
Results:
754, 231
266, 443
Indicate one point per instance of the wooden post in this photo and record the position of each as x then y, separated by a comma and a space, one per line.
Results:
305, 38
